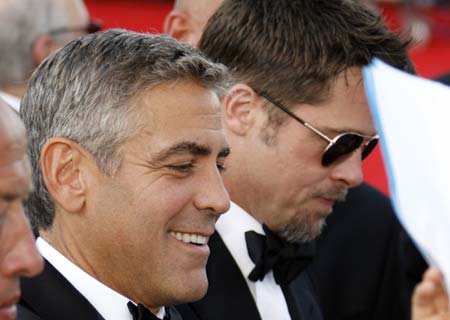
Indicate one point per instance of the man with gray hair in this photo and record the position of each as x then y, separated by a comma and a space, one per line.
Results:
127, 149
29, 31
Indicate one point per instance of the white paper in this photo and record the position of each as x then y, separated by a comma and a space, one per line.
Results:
412, 116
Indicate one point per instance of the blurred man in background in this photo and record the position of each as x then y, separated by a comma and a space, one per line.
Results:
18, 253
188, 18
30, 30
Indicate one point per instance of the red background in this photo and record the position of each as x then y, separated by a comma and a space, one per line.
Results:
431, 58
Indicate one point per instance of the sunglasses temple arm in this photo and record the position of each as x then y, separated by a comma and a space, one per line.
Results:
306, 124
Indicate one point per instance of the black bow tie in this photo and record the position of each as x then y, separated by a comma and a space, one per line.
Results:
270, 252
139, 312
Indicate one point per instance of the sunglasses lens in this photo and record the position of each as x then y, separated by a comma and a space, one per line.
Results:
369, 147
345, 144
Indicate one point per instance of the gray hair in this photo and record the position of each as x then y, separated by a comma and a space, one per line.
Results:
21, 23
86, 93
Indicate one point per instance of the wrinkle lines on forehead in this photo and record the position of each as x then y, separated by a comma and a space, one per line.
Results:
15, 180
13, 142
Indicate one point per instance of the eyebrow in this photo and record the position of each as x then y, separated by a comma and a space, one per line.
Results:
188, 147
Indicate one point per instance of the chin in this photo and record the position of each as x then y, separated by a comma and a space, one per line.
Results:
193, 289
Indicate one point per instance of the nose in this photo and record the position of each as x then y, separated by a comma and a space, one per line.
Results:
23, 258
212, 194
348, 172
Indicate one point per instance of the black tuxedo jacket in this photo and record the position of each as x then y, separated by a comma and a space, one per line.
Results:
366, 266
49, 296
229, 297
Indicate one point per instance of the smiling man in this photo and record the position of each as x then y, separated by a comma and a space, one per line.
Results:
127, 149
18, 253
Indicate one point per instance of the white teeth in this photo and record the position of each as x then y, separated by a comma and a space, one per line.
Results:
189, 238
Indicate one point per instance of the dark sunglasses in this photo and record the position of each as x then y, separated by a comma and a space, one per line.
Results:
340, 145
92, 27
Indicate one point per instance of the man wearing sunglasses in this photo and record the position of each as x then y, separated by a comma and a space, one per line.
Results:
30, 31
299, 128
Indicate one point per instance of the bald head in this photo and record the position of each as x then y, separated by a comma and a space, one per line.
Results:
188, 19
12, 135
12, 130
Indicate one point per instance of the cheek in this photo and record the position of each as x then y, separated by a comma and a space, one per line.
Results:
163, 200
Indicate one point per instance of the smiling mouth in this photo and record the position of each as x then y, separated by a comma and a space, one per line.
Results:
190, 238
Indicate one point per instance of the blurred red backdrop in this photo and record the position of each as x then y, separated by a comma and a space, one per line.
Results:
431, 57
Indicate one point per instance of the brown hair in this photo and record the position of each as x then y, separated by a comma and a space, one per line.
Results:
294, 49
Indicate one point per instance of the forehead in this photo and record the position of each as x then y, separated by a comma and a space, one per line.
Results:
346, 108
180, 110
14, 167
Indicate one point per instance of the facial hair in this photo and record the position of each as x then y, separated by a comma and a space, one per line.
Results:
306, 225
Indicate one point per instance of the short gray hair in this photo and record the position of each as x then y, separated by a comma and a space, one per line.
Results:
86, 93
21, 22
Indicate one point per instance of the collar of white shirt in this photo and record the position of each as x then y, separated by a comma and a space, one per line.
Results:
268, 296
232, 227
109, 303
13, 101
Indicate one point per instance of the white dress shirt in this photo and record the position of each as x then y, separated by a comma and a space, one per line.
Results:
110, 304
13, 101
267, 293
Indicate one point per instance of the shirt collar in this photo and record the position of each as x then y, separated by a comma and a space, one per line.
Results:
13, 101
232, 227
109, 303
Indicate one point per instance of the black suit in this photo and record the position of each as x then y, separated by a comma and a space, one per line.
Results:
229, 297
49, 296
366, 266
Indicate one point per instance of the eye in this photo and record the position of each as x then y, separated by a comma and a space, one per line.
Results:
4, 207
221, 167
182, 168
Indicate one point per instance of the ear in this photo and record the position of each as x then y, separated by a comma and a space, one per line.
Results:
240, 109
62, 166
179, 25
42, 47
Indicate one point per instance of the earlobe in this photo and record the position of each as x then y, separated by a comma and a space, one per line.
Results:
239, 109
61, 165
43, 46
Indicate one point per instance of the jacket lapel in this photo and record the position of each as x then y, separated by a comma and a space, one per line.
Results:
301, 298
52, 297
